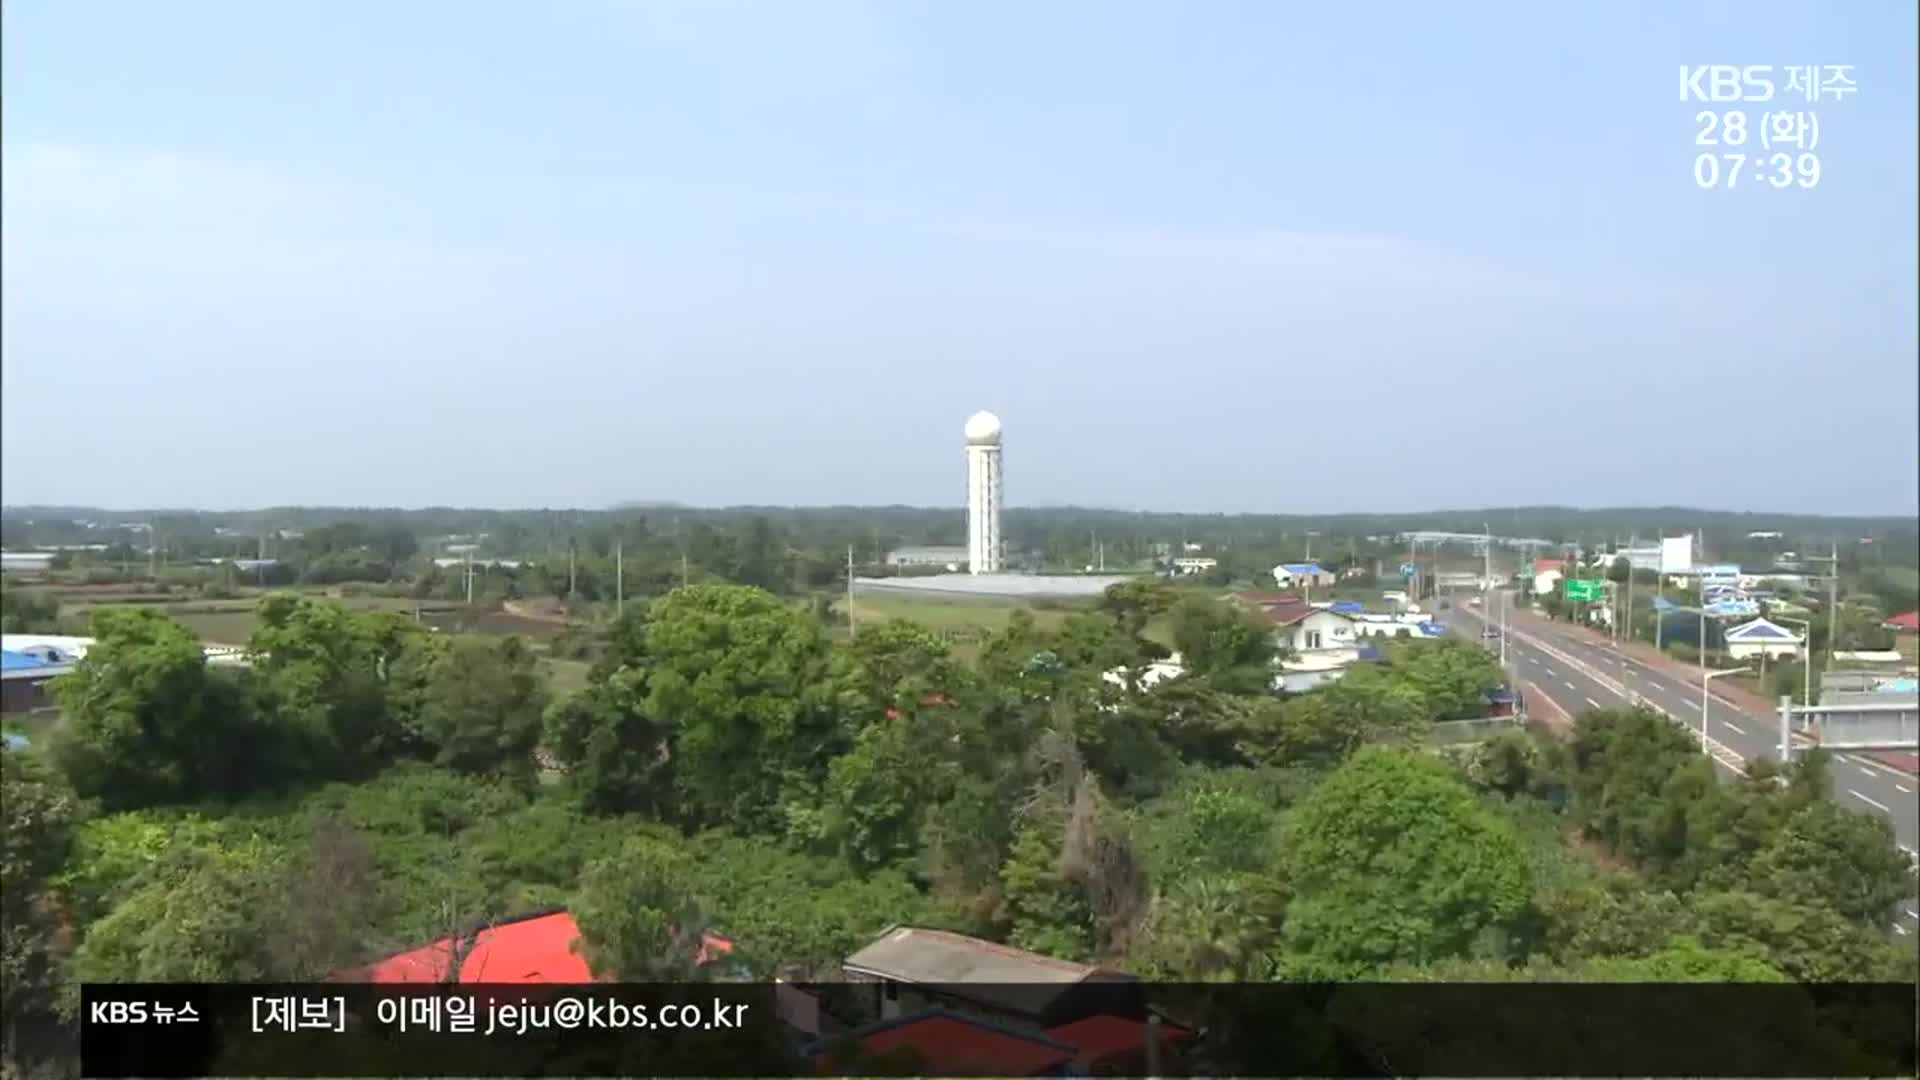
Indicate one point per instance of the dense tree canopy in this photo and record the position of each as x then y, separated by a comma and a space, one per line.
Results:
735, 766
1392, 859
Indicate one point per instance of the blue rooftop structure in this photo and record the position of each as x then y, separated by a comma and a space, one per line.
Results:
1302, 568
19, 661
1346, 607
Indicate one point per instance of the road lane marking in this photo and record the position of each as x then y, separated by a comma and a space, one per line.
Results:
1533, 659
1869, 772
1593, 703
1904, 789
1550, 671
1731, 726
1872, 764
1898, 929
1572, 687
1880, 806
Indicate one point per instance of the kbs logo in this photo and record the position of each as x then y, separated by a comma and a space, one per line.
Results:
1726, 82
118, 1012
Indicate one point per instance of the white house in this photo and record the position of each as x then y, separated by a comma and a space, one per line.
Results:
1144, 678
1761, 638
1404, 624
1303, 628
1546, 575
1299, 575
26, 562
1310, 671
1194, 564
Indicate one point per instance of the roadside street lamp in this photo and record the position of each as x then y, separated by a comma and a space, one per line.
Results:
1706, 699
1806, 655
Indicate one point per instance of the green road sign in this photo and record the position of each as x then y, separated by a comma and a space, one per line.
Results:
1585, 590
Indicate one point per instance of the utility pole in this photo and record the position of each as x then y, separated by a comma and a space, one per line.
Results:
684, 579
153, 551
1833, 604
469, 579
573, 577
851, 627
619, 579
1703, 661
1631, 544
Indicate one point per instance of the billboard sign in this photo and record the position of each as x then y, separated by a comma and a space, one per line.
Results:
1676, 555
1585, 590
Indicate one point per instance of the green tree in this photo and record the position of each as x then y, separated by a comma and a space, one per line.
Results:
897, 665
741, 682
1451, 676
639, 921
614, 753
1049, 913
1135, 603
1224, 646
27, 611
1825, 856
1391, 859
483, 706
1205, 928
38, 815
148, 722
1685, 959
877, 795
1805, 943
325, 670
205, 918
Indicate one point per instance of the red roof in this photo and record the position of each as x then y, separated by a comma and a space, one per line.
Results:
954, 1045
1100, 1037
1907, 621
1264, 598
930, 699
1549, 566
536, 949
1291, 611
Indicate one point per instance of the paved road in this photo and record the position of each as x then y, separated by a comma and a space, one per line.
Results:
1576, 671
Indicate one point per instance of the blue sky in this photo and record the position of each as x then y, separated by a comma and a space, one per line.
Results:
1262, 256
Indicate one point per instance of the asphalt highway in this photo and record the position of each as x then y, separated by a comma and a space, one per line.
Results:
1574, 670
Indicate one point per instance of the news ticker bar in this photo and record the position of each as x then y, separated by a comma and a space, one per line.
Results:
775, 1030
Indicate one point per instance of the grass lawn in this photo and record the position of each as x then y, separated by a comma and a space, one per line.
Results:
566, 676
232, 622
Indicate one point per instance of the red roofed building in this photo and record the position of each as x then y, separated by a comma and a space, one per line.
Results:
531, 949
945, 1043
1547, 574
1115, 1045
1908, 622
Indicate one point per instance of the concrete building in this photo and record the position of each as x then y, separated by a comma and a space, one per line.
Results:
1761, 638
984, 496
1301, 575
1194, 565
949, 556
1547, 574
24, 679
26, 562
1304, 628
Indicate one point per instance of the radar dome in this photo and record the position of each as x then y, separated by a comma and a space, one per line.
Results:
983, 429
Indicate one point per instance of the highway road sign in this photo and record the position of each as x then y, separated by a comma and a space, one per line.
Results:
1585, 590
